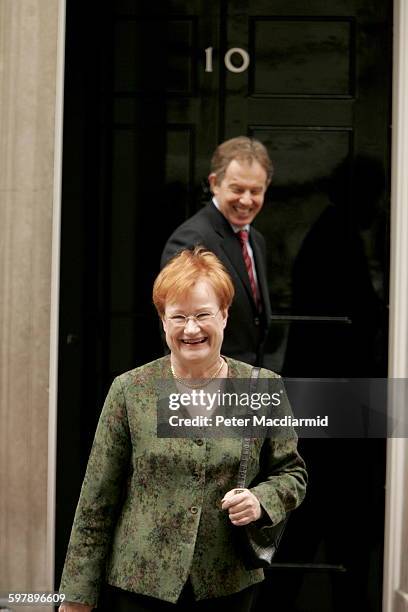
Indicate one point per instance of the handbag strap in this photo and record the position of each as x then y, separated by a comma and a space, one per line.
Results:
246, 442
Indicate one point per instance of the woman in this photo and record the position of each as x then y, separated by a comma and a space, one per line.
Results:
154, 516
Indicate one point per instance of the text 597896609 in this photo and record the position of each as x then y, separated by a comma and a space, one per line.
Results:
40, 598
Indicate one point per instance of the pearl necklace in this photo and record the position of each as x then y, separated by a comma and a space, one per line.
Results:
205, 382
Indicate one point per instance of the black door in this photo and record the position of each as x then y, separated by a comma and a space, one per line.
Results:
151, 88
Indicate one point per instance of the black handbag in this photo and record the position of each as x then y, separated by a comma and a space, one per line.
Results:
258, 545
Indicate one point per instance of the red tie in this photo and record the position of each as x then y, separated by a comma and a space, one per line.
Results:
243, 238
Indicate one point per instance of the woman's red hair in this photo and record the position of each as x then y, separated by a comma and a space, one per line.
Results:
183, 271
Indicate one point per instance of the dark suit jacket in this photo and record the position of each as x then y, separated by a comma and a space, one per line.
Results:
246, 329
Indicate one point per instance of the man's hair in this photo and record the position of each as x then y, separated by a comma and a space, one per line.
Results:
242, 149
183, 271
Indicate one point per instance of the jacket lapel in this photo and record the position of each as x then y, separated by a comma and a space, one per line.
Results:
230, 245
261, 275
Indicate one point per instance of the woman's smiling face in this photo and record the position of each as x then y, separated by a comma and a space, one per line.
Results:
193, 343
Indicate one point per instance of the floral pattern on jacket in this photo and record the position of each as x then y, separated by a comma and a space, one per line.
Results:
149, 514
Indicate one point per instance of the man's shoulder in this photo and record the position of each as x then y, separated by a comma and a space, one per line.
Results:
203, 218
207, 227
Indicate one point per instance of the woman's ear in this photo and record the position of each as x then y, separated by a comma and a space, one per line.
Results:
224, 312
163, 321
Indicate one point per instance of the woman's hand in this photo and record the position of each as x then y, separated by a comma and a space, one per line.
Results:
74, 607
243, 508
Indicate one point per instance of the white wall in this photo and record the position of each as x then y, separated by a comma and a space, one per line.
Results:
396, 523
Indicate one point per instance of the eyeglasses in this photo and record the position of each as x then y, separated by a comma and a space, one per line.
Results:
201, 318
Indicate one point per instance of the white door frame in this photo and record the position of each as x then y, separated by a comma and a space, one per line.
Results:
395, 598
55, 286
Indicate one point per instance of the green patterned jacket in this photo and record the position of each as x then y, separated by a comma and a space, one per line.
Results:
149, 513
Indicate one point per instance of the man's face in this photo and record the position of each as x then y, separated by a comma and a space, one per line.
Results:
241, 192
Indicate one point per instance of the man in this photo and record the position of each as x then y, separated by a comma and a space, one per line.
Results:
240, 174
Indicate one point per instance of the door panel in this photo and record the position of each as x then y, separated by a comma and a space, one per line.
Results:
302, 57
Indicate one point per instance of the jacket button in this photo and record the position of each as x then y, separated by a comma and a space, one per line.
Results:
199, 442
193, 509
256, 321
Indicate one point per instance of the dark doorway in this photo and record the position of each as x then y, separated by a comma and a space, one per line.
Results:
142, 117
